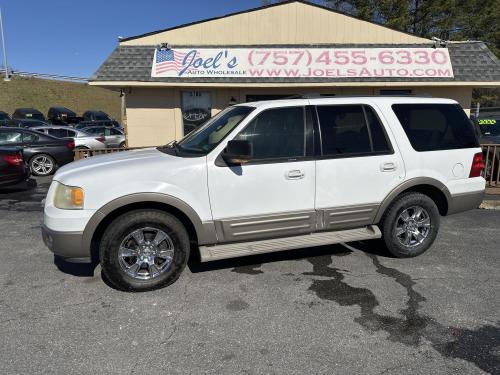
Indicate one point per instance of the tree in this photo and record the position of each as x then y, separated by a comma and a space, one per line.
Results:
446, 19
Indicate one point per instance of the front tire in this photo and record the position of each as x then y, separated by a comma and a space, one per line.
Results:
144, 250
410, 225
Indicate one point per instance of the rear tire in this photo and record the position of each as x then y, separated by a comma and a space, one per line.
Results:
144, 250
410, 225
42, 165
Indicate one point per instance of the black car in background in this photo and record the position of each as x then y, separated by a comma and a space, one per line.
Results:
96, 118
93, 115
28, 113
62, 116
488, 132
4, 118
43, 153
13, 169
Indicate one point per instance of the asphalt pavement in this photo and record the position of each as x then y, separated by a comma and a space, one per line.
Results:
340, 309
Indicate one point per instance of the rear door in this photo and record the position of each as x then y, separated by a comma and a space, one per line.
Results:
358, 165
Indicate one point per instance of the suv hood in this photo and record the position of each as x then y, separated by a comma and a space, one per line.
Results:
108, 177
117, 167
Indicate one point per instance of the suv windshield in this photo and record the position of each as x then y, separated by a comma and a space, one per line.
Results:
209, 135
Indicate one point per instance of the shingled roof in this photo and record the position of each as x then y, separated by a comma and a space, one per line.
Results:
471, 61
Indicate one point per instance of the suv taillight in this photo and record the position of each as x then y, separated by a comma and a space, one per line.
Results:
477, 165
15, 159
70, 145
100, 139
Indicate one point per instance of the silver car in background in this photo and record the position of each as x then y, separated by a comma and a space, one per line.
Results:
82, 139
113, 137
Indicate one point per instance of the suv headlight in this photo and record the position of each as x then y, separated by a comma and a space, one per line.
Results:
68, 197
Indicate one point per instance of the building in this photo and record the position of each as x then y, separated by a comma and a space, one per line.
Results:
176, 78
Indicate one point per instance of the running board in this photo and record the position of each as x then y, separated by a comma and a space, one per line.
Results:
233, 250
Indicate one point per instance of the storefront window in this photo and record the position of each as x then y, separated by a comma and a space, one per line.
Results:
196, 109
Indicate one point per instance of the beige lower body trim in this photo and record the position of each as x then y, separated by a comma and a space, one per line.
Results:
234, 250
295, 223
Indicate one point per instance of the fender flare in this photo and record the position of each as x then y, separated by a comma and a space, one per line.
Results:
407, 185
205, 231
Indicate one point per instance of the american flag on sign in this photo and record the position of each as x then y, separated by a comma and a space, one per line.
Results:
168, 60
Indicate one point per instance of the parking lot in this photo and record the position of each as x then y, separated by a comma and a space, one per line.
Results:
335, 309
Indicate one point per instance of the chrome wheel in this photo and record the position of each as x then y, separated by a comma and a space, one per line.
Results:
42, 165
146, 253
413, 226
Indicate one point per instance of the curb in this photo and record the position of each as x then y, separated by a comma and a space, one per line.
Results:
490, 205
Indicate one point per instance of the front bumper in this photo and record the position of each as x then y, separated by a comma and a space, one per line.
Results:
68, 245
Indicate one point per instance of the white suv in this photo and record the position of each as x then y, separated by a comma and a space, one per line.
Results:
270, 176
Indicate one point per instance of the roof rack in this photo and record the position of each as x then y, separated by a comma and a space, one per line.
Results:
319, 96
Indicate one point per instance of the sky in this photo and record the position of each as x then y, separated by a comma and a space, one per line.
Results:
73, 37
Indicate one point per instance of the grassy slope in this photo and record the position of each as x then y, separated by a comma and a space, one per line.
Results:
42, 94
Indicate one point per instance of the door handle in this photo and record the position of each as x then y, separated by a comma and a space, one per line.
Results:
295, 174
388, 167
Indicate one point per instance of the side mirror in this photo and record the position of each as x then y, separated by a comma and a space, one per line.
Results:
237, 152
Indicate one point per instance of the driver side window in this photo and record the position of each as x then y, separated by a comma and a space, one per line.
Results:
278, 133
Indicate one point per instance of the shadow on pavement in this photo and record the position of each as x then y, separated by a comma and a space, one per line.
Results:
375, 247
75, 269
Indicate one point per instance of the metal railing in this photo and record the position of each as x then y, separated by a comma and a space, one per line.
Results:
491, 159
87, 153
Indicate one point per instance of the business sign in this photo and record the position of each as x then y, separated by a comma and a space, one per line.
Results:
330, 63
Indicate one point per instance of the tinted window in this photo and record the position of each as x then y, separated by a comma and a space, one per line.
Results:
94, 130
432, 127
37, 116
101, 116
4, 116
58, 133
277, 133
379, 139
115, 132
350, 130
29, 138
10, 137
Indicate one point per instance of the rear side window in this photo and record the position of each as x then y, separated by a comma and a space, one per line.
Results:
58, 133
351, 130
434, 127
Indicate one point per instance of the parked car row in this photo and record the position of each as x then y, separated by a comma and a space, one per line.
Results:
28, 117
47, 147
42, 152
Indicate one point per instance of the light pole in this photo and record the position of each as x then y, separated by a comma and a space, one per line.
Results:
6, 78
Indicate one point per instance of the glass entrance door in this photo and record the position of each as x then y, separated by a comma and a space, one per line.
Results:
196, 108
